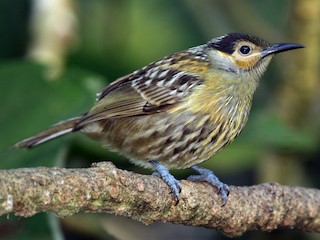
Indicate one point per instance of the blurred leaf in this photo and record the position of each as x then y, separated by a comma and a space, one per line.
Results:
30, 104
268, 130
238, 156
16, 228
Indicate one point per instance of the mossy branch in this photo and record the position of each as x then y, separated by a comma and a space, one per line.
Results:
104, 188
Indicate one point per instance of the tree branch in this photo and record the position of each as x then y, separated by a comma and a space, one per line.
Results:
104, 188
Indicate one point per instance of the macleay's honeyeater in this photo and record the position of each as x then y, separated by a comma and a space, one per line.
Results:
180, 110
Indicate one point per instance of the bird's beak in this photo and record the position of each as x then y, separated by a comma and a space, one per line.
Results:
280, 47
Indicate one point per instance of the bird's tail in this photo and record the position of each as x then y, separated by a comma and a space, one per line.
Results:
55, 131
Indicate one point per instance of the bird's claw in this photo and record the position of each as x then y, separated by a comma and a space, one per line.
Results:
208, 176
169, 179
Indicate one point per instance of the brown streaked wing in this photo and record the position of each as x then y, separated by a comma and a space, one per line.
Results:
122, 101
150, 90
161, 84
114, 85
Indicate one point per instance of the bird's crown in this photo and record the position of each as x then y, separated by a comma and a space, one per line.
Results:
243, 52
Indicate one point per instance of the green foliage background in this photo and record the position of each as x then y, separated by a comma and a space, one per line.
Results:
116, 38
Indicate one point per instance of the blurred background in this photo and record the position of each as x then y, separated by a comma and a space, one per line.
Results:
55, 55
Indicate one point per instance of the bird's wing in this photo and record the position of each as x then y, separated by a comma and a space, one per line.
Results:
150, 90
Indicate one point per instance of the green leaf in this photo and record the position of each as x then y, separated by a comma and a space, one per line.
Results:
31, 103
268, 130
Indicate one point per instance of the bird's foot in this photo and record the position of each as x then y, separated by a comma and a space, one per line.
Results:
168, 178
208, 176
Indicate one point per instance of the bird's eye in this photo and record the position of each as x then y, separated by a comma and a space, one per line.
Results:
245, 50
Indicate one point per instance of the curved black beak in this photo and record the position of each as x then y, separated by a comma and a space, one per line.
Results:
280, 47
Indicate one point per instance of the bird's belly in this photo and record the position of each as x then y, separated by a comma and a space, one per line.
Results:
174, 140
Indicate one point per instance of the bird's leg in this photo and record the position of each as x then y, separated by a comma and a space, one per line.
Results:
163, 172
207, 175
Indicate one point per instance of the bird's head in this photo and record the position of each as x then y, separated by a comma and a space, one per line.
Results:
244, 55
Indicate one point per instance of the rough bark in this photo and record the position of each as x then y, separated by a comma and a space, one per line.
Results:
104, 188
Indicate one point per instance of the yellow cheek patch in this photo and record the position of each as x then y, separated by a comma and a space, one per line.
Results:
246, 63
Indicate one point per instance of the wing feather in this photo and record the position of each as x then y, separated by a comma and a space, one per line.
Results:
152, 89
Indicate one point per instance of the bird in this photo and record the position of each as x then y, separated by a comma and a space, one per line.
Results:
178, 111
